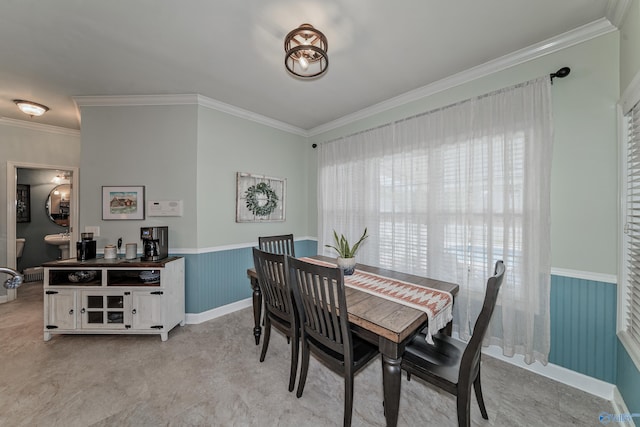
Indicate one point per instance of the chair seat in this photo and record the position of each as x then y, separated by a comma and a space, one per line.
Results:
440, 359
453, 365
363, 352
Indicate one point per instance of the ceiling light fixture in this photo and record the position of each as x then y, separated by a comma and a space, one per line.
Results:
31, 108
306, 49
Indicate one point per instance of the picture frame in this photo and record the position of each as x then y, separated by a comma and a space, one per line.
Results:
260, 198
123, 202
23, 203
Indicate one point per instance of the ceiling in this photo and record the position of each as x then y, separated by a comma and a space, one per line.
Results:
232, 51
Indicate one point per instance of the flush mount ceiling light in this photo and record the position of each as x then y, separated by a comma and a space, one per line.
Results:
306, 49
31, 108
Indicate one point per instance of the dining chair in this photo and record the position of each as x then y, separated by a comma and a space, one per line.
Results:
322, 307
282, 244
280, 311
451, 364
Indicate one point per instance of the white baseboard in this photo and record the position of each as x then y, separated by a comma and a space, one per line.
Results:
196, 318
619, 407
566, 376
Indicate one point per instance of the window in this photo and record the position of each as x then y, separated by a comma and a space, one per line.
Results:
446, 194
629, 291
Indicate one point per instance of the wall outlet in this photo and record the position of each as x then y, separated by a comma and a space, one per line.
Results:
92, 229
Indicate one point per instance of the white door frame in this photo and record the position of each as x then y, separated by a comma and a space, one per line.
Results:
12, 181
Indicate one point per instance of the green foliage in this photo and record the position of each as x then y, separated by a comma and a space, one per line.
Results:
342, 246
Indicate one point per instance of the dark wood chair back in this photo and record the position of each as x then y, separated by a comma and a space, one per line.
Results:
282, 244
319, 291
280, 310
470, 363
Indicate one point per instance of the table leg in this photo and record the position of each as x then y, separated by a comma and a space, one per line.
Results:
448, 330
391, 381
257, 309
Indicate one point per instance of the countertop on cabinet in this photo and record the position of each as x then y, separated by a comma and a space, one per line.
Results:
118, 262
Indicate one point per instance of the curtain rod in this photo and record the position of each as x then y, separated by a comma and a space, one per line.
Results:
561, 74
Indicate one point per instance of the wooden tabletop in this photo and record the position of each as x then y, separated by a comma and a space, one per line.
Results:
382, 317
117, 262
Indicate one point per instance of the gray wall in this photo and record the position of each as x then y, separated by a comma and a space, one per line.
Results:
189, 153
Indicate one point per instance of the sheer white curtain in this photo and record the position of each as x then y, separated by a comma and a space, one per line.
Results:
448, 193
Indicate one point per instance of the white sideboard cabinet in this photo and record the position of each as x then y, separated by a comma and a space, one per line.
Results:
116, 296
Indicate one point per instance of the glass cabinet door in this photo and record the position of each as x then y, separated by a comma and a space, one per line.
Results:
105, 309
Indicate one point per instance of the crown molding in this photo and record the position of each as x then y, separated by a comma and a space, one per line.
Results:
249, 115
617, 10
135, 100
554, 44
38, 127
185, 99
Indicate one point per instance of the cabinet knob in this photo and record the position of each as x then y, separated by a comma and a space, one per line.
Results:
83, 310
133, 311
71, 311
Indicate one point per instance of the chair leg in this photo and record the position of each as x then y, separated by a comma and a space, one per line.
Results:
348, 397
463, 403
267, 335
304, 368
294, 360
478, 389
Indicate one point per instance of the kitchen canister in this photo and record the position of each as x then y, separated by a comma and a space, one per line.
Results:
131, 251
110, 252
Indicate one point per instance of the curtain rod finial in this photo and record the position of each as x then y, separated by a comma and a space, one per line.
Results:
561, 73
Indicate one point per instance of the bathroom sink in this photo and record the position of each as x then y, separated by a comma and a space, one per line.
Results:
57, 239
60, 240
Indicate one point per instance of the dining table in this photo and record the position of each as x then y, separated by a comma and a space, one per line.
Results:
387, 322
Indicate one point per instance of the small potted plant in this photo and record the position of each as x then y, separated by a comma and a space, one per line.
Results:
346, 253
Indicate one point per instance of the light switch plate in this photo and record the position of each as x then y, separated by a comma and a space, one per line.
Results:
92, 229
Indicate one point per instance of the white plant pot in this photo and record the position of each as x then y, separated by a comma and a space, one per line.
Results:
348, 265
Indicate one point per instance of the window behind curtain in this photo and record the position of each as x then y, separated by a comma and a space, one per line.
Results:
448, 193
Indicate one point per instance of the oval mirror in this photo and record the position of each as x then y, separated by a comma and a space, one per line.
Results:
58, 204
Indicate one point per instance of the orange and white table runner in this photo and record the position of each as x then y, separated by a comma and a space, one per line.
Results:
436, 304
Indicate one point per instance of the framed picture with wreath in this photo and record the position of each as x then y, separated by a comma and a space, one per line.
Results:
260, 198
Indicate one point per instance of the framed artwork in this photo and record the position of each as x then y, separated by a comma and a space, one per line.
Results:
260, 198
23, 203
123, 202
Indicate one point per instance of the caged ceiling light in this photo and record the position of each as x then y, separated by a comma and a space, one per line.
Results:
31, 108
306, 49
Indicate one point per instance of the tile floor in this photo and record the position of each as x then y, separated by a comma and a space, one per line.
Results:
209, 375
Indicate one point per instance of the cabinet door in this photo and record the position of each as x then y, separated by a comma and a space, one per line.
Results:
104, 309
146, 309
61, 309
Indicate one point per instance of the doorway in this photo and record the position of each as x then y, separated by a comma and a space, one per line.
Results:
60, 222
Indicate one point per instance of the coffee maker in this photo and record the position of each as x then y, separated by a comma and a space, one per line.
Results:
155, 243
86, 249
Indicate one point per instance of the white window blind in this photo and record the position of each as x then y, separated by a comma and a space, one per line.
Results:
631, 302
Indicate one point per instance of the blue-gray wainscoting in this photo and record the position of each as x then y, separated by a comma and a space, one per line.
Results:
583, 326
215, 279
628, 382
